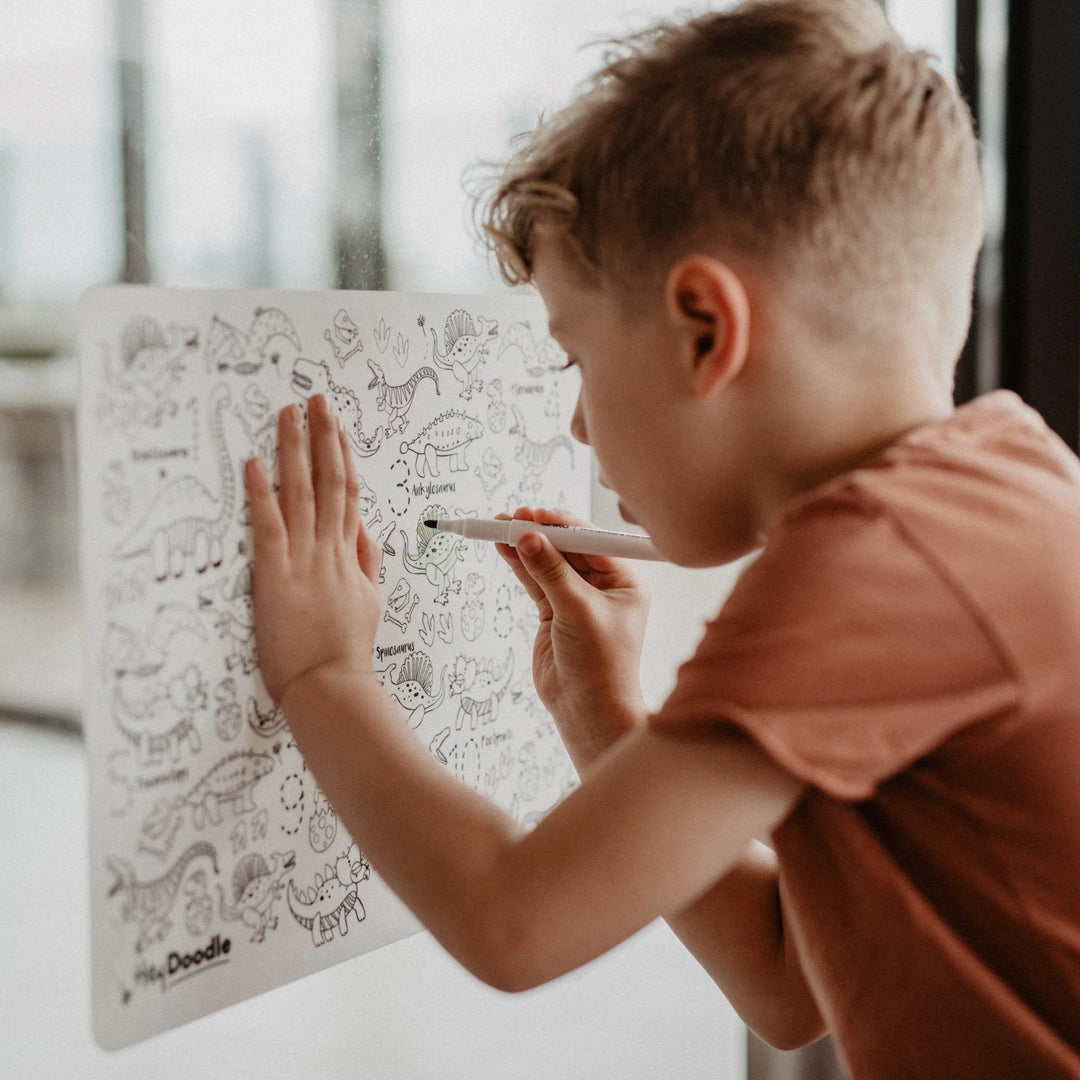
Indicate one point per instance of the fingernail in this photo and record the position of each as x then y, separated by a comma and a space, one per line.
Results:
529, 545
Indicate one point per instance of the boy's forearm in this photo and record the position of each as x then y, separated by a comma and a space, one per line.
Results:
590, 727
736, 932
432, 839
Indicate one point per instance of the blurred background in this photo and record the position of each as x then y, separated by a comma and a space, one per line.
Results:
327, 144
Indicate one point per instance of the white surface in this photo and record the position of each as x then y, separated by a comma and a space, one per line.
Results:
646, 1010
40, 652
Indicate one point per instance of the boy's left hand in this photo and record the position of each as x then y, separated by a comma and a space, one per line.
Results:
316, 570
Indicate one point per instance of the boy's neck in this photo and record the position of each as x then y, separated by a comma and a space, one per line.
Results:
825, 409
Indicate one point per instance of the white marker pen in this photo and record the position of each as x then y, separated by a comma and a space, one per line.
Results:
577, 538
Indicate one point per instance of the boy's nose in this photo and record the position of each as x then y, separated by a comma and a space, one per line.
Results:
577, 421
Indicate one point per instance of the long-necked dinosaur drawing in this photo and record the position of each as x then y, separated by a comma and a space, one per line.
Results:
148, 903
185, 525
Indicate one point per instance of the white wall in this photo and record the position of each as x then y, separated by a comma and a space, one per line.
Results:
926, 24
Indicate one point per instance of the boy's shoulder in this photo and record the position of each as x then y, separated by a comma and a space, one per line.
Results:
993, 464
969, 526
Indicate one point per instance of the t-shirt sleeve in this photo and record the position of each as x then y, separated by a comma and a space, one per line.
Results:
844, 652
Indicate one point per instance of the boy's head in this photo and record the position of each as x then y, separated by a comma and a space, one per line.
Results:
800, 134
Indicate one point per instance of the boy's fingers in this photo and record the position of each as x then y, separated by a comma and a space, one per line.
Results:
582, 563
267, 527
352, 487
368, 553
544, 516
297, 495
512, 559
561, 584
327, 467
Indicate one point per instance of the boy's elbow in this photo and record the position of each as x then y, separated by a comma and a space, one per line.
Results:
790, 1030
508, 978
502, 953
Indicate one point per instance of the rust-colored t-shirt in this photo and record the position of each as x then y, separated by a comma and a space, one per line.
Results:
908, 642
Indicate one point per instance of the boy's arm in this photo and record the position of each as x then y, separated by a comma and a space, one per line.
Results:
736, 929
652, 826
736, 932
656, 821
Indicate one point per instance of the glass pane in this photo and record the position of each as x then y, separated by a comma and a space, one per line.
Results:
239, 142
59, 180
927, 24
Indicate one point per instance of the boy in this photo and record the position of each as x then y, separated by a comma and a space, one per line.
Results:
759, 229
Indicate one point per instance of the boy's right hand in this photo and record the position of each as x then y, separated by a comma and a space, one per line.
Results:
587, 654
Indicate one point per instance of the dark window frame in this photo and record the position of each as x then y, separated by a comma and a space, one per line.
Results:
1040, 310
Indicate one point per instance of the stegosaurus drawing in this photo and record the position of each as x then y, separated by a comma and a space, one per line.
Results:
327, 905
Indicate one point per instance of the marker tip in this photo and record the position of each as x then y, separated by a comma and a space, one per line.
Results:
431, 523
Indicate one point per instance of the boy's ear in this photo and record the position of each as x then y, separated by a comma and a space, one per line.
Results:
709, 307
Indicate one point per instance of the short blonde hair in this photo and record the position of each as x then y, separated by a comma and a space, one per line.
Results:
778, 128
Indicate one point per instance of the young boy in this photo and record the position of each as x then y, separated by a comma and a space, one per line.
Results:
759, 230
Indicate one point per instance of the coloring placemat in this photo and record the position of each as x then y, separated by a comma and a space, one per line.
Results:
218, 869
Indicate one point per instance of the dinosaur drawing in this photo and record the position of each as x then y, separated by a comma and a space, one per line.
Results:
490, 471
156, 689
447, 437
148, 903
327, 905
436, 553
230, 781
256, 885
186, 523
480, 689
313, 377
414, 686
535, 456
229, 348
539, 356
150, 361
396, 400
466, 341
234, 618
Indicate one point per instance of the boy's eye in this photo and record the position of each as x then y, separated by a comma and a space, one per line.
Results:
571, 361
